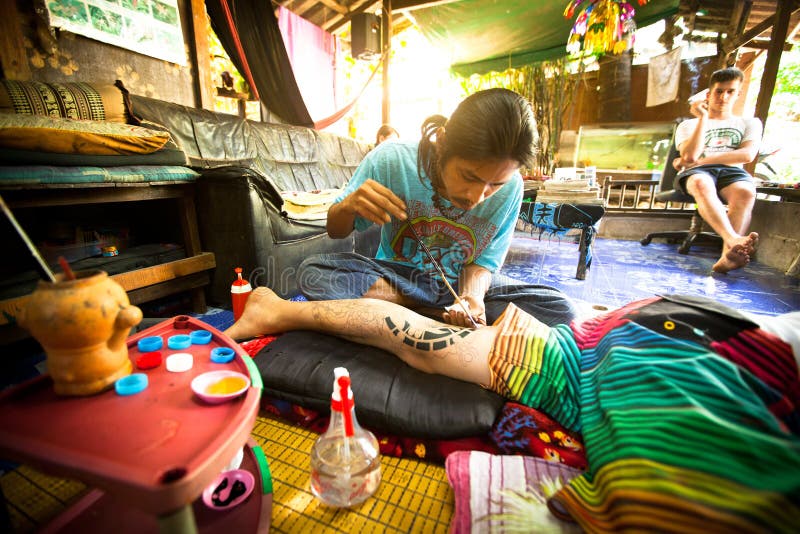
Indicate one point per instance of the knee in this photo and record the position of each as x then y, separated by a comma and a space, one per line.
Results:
744, 195
699, 185
309, 274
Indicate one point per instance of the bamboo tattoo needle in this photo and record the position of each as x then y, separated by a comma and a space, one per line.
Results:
441, 273
40, 263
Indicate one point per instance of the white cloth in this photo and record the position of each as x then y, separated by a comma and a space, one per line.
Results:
663, 77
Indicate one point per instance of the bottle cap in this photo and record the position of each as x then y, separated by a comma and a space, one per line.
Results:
131, 384
240, 285
149, 360
222, 354
200, 337
180, 341
149, 344
179, 362
338, 373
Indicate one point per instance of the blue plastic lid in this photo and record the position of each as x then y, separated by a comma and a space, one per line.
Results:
181, 341
222, 354
131, 384
200, 337
149, 344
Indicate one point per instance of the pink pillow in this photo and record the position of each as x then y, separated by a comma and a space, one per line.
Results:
481, 482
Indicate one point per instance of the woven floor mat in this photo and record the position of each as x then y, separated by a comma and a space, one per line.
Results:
413, 496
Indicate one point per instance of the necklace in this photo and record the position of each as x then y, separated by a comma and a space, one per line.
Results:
451, 212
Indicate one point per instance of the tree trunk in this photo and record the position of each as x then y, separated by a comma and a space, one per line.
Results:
614, 98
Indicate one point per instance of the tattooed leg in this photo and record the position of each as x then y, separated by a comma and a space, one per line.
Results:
424, 343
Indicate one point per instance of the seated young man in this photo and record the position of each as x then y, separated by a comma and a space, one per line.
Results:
688, 410
714, 146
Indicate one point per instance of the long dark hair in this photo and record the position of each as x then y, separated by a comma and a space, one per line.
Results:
493, 124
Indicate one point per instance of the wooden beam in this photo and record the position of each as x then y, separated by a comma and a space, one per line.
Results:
386, 38
763, 44
13, 61
743, 18
202, 55
410, 5
164, 272
336, 6
768, 79
333, 26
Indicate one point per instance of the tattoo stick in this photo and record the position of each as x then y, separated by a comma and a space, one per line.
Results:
40, 263
441, 273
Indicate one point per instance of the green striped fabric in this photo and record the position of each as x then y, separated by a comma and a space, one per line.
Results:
45, 174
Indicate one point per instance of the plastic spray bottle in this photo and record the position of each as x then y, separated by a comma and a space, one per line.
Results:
345, 460
240, 290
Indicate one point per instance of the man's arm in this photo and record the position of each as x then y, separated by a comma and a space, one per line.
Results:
692, 148
746, 153
341, 221
372, 201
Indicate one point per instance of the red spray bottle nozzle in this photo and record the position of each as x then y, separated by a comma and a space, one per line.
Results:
344, 388
239, 280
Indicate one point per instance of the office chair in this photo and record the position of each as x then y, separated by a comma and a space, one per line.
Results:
695, 233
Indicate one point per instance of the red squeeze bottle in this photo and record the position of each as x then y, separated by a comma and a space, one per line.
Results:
240, 290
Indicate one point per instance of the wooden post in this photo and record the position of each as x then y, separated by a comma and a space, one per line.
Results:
386, 37
614, 79
13, 61
774, 51
202, 56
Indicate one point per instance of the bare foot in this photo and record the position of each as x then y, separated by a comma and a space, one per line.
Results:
262, 315
752, 243
732, 258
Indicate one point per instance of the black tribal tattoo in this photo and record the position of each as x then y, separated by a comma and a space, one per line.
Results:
432, 339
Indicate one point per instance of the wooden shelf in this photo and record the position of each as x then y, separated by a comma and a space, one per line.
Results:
190, 274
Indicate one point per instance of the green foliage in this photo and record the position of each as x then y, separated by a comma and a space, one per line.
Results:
788, 80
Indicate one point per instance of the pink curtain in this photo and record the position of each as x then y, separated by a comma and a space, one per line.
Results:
312, 53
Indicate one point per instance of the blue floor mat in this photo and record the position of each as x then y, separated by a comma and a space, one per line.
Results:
624, 271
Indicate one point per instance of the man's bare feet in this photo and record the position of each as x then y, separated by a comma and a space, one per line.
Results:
737, 255
262, 315
732, 258
752, 244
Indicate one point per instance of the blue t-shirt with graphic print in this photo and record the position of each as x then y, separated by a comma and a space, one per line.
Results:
481, 235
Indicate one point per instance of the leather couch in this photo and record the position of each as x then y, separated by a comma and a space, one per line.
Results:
244, 166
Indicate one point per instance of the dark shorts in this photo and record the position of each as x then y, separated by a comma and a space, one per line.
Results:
723, 176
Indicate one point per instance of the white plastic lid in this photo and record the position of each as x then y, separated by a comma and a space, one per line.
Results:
179, 362
337, 373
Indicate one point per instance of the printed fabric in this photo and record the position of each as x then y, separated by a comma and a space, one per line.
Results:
481, 235
688, 416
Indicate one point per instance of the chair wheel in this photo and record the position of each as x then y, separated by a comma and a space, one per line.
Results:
684, 249
646, 241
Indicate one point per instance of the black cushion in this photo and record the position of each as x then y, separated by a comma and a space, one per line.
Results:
390, 396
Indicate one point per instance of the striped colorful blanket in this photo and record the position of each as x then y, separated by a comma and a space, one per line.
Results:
688, 416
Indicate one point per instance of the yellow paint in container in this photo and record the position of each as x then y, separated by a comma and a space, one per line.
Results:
229, 384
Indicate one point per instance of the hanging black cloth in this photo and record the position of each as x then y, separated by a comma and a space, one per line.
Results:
248, 30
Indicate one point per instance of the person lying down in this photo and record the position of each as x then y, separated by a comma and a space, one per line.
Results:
688, 409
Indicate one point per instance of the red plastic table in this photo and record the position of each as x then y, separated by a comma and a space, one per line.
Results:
154, 451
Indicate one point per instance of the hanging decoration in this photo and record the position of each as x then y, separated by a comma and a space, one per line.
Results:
602, 27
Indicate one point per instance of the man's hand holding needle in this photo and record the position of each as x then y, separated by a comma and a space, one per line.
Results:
457, 299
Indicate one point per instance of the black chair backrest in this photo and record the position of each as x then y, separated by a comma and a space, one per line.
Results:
666, 184
670, 172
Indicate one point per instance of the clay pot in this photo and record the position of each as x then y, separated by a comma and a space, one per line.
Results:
82, 324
